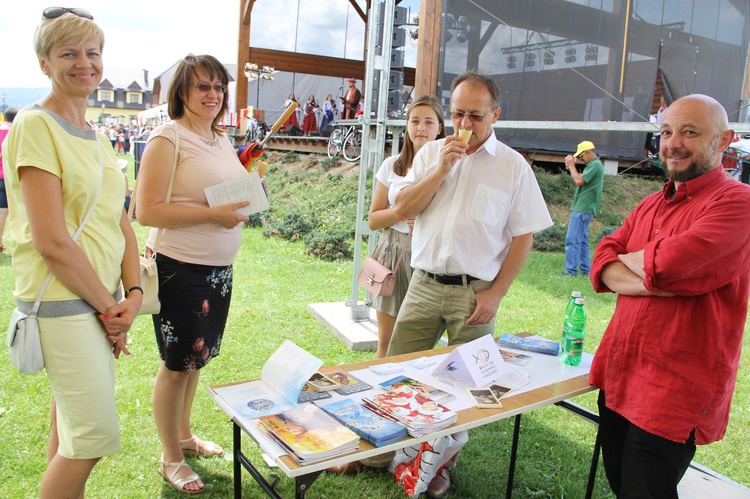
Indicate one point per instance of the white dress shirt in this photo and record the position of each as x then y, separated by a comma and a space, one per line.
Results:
488, 198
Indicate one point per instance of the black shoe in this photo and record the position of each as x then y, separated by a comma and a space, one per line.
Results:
439, 485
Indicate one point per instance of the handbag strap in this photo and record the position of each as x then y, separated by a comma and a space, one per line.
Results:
160, 232
403, 250
77, 233
169, 189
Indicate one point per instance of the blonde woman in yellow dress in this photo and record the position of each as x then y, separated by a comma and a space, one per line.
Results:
58, 167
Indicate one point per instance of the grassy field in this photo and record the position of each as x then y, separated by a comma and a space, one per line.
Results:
274, 282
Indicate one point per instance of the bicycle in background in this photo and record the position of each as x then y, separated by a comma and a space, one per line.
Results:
256, 131
346, 139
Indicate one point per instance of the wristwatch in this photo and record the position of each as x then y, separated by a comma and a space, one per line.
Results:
134, 288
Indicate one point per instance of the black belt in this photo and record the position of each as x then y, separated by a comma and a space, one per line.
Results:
451, 280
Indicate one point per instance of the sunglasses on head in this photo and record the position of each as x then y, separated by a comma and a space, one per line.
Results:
55, 12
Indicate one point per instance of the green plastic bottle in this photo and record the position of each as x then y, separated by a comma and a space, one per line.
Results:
568, 310
571, 303
574, 331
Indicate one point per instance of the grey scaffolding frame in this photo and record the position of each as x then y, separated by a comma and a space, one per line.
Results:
373, 138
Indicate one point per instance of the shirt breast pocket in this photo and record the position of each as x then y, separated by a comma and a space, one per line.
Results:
489, 206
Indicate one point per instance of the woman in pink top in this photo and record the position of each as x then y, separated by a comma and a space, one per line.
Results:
195, 254
8, 116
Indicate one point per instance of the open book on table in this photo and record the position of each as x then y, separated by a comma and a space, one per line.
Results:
281, 380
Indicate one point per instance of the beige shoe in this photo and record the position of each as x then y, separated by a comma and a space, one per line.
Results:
179, 483
190, 452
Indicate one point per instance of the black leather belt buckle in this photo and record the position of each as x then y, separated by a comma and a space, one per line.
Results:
451, 280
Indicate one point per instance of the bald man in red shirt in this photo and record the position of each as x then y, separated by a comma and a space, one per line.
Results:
668, 361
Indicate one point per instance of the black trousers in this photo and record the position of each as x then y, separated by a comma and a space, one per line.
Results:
640, 464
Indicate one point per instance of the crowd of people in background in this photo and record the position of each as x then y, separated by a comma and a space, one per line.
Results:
122, 136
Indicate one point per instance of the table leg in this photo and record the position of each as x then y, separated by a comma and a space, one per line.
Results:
237, 464
303, 483
594, 464
513, 454
240, 461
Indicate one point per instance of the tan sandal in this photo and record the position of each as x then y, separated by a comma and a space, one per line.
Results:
197, 451
179, 483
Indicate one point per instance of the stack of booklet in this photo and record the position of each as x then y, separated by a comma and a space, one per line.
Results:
375, 429
341, 381
418, 412
309, 434
535, 344
434, 393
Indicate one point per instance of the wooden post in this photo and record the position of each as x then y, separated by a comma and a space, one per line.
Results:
428, 47
243, 56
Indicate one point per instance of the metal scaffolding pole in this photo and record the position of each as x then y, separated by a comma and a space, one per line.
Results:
377, 65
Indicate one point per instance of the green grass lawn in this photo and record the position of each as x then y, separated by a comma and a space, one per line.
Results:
274, 283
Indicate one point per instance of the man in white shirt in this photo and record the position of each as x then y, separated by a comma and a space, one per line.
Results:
477, 205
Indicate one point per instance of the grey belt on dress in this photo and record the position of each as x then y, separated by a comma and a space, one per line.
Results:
62, 308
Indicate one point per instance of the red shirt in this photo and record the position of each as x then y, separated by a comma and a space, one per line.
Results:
669, 365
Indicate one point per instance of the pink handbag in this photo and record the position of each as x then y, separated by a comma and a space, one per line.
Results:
376, 277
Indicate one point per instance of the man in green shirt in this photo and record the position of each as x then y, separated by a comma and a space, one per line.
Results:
586, 201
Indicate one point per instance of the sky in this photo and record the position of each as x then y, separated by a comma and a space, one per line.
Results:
154, 34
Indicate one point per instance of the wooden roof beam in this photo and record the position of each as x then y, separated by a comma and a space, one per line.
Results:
356, 7
246, 7
292, 62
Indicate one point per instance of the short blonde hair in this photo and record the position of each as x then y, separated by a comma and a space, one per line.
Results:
65, 29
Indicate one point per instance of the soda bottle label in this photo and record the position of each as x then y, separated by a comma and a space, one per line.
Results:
564, 345
574, 346
564, 340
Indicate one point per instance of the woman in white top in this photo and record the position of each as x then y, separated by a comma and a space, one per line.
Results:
328, 107
659, 115
424, 122
195, 255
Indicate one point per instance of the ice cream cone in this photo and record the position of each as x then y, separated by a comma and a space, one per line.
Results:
465, 135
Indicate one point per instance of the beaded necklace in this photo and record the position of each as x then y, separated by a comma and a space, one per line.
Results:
212, 142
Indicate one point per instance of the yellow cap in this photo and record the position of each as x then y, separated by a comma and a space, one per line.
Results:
584, 146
